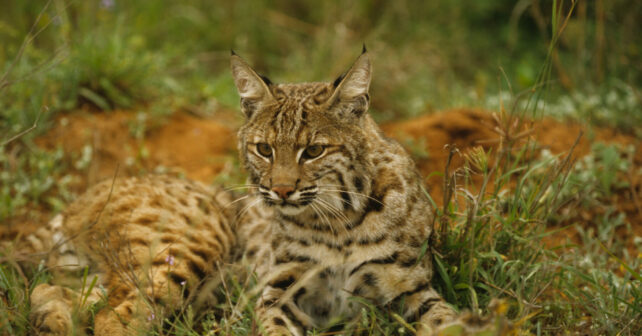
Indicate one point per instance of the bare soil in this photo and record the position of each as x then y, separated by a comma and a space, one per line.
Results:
182, 143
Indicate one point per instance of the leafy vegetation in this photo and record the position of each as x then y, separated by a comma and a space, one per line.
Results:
492, 246
581, 57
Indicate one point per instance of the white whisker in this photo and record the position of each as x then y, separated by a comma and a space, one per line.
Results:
239, 199
354, 193
341, 200
332, 209
247, 208
321, 214
241, 186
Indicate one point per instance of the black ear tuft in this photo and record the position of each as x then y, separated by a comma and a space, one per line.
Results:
232, 53
364, 50
338, 80
266, 80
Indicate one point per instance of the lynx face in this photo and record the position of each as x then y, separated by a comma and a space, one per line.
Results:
303, 144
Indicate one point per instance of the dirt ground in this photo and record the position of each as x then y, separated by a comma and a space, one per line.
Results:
181, 143
200, 148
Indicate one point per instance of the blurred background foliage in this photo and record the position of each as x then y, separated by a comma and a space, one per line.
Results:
428, 55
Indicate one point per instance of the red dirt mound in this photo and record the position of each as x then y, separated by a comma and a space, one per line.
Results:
469, 128
182, 143
462, 128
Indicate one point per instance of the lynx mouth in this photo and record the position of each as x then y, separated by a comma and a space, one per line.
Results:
301, 203
287, 207
298, 199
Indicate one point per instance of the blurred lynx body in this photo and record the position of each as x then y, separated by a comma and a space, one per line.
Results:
150, 241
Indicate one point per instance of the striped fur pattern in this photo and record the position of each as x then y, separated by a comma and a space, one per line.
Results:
350, 216
150, 241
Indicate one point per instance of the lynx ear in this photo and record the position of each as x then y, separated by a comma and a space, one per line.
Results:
351, 89
252, 87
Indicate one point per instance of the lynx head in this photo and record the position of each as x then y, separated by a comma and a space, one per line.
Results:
304, 145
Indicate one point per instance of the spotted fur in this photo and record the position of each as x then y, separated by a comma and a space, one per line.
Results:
151, 242
349, 222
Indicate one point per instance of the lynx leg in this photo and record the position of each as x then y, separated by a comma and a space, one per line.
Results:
278, 313
52, 307
120, 320
136, 306
132, 310
433, 310
280, 318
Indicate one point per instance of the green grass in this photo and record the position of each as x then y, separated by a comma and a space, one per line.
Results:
117, 53
15, 288
32, 176
493, 247
157, 57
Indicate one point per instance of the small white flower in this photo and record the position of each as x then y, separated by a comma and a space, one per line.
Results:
107, 4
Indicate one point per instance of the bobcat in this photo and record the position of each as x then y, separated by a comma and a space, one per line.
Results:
335, 210
350, 216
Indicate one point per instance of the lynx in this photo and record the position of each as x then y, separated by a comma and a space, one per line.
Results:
335, 211
350, 215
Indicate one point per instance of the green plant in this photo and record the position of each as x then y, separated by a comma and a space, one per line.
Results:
28, 180
15, 288
109, 69
416, 147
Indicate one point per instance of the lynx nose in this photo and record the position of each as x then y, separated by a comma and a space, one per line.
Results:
283, 190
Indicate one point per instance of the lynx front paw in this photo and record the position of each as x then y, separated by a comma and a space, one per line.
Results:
51, 310
52, 319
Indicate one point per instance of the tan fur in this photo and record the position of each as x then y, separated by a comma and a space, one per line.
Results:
353, 219
150, 241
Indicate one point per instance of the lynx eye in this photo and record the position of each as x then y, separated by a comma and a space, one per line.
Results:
313, 151
264, 149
